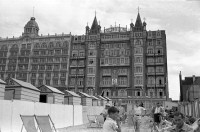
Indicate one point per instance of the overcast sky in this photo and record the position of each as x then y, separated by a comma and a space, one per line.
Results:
180, 19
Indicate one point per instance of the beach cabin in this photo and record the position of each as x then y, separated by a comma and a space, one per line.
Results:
95, 101
103, 101
51, 95
86, 100
72, 98
2, 89
20, 90
108, 100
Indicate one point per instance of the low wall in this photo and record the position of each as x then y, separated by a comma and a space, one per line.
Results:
91, 110
61, 115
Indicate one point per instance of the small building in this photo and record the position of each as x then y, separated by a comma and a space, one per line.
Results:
108, 100
72, 98
95, 101
102, 100
86, 100
2, 89
20, 90
51, 95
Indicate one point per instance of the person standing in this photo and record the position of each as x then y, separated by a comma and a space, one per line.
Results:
122, 112
104, 113
112, 122
157, 112
138, 113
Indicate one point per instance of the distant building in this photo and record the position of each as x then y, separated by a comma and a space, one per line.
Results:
117, 62
120, 63
189, 88
36, 58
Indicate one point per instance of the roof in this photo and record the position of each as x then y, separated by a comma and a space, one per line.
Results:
138, 22
32, 23
94, 24
25, 84
84, 94
102, 97
107, 98
72, 93
55, 90
2, 82
93, 97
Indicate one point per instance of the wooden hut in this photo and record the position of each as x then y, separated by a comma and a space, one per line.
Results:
2, 89
20, 90
86, 100
51, 95
102, 100
95, 101
72, 98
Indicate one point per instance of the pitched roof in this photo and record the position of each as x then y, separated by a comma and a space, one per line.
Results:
102, 97
25, 84
72, 93
107, 98
138, 22
94, 97
197, 81
84, 94
55, 90
94, 24
2, 82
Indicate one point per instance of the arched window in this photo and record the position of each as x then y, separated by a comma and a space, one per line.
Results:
44, 45
66, 44
37, 45
58, 44
150, 50
15, 46
51, 45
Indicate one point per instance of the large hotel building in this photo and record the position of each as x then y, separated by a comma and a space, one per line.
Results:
117, 62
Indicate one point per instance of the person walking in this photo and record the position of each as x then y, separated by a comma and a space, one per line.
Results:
139, 111
157, 112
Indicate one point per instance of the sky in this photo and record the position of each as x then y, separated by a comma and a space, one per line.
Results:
179, 18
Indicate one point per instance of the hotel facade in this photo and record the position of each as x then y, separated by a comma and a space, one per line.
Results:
117, 62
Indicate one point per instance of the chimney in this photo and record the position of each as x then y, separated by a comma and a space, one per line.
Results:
193, 78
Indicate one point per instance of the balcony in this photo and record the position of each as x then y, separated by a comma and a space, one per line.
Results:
106, 74
155, 86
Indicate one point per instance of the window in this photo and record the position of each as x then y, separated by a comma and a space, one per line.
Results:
138, 69
50, 52
150, 51
150, 60
159, 60
159, 51
56, 67
74, 63
151, 80
49, 67
58, 44
55, 82
41, 67
138, 80
50, 59
80, 81
73, 71
62, 82
92, 44
74, 53
43, 52
91, 81
47, 82
126, 60
63, 74
37, 45
43, 45
106, 71
81, 63
23, 46
122, 60
51, 45
82, 53
64, 59
35, 53
48, 75
33, 81
102, 61
138, 50
138, 93
159, 69
91, 53
151, 69
81, 71
91, 61
41, 75
91, 70
122, 81
106, 81
64, 66
33, 75
57, 52
34, 67
72, 81
56, 74
64, 51
40, 82
137, 42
